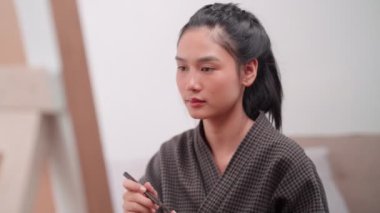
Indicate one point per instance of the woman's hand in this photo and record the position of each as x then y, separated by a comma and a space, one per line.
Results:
134, 199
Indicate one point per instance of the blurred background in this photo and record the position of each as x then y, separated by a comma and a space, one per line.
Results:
327, 52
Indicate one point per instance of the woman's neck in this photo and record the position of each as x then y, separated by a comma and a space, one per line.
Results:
225, 134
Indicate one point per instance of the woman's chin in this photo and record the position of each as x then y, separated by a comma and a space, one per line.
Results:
197, 115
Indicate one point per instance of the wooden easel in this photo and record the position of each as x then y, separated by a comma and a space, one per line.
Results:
30, 136
35, 129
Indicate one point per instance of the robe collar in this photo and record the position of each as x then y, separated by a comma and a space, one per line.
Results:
217, 185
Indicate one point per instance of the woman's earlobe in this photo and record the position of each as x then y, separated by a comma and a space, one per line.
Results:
248, 80
250, 72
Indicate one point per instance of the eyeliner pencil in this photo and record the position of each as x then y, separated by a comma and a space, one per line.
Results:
149, 195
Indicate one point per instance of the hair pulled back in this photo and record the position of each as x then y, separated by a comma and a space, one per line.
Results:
243, 36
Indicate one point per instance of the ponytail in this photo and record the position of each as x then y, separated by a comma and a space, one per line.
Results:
265, 94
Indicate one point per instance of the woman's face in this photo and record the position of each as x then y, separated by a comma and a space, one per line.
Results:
206, 75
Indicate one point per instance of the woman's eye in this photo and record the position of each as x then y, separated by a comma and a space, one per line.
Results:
207, 69
181, 68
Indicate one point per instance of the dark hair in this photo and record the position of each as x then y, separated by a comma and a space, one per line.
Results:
243, 36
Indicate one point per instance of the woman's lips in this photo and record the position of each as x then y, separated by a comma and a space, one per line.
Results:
195, 102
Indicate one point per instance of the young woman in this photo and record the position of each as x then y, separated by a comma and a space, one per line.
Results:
235, 160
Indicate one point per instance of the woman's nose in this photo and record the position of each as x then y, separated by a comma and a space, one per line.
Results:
193, 82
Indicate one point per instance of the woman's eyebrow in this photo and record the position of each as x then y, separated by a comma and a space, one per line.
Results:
177, 58
202, 59
207, 59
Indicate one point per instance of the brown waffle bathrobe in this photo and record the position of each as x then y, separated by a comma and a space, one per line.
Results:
268, 173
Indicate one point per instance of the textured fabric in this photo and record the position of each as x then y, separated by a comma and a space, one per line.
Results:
268, 173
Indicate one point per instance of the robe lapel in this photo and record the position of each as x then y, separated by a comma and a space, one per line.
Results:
216, 186
209, 171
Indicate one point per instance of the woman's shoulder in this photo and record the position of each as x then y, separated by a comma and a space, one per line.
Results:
287, 146
274, 142
168, 154
178, 145
295, 170
280, 147
289, 150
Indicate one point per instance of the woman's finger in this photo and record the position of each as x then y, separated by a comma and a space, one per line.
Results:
150, 188
133, 186
136, 197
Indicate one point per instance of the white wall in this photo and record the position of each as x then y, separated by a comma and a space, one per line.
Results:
327, 53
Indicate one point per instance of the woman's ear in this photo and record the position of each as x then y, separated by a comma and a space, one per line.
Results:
249, 72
